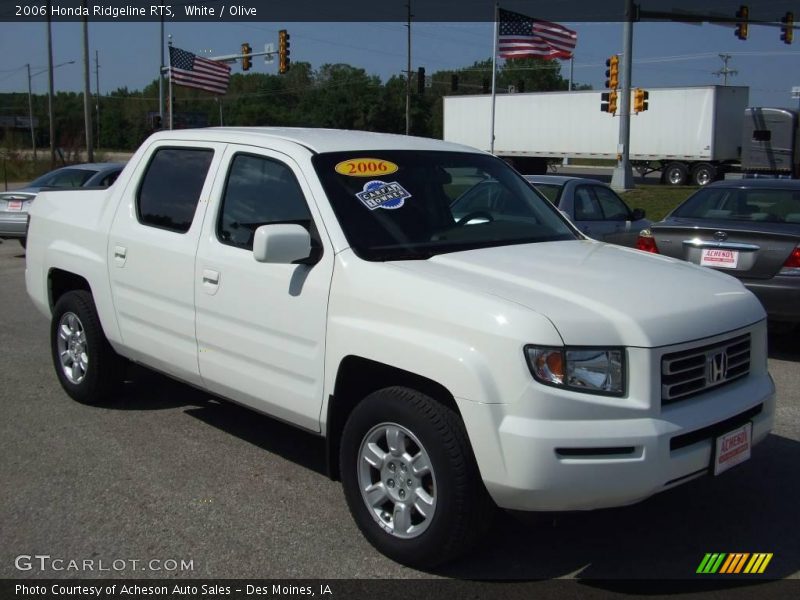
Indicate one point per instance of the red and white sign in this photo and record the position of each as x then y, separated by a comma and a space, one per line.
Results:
722, 259
733, 448
14, 205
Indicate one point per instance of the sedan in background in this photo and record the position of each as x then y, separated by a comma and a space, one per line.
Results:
593, 207
14, 205
748, 228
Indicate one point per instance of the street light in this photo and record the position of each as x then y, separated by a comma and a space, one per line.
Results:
30, 99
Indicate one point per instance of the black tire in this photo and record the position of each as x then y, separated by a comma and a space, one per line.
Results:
675, 173
462, 510
703, 174
104, 368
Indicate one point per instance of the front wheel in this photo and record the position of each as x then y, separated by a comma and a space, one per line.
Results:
87, 367
410, 479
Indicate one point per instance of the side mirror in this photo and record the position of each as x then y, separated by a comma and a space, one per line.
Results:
638, 213
281, 243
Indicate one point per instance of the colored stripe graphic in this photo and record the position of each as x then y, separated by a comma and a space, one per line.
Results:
733, 563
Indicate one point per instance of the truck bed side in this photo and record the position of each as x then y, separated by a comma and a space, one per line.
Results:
69, 232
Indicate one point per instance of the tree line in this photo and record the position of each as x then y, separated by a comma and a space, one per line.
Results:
334, 95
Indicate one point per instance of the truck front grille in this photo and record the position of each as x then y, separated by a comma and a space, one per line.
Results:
691, 372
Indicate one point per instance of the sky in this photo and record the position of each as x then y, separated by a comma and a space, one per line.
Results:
665, 54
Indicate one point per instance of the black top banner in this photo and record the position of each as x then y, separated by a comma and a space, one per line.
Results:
384, 10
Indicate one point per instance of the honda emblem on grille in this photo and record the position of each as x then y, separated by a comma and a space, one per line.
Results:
717, 369
720, 236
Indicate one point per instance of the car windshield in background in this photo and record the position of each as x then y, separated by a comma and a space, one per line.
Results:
735, 204
63, 178
396, 205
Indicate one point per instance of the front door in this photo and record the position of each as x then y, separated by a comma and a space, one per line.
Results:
260, 326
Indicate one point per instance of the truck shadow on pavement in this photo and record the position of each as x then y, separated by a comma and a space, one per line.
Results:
147, 390
751, 508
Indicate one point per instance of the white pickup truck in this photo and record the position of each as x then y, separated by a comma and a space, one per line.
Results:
452, 364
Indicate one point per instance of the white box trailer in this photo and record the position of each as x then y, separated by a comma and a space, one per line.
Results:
689, 133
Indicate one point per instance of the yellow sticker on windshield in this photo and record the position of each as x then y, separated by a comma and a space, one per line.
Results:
365, 167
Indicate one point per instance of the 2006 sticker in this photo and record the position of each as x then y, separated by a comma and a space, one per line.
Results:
379, 194
366, 167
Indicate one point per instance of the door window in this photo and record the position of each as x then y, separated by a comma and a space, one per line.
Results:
614, 209
259, 191
586, 205
171, 186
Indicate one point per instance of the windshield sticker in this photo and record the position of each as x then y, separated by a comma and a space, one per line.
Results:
379, 194
366, 167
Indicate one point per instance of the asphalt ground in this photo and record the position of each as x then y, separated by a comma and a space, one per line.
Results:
167, 473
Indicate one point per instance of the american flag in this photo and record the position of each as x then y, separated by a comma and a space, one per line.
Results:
525, 37
189, 70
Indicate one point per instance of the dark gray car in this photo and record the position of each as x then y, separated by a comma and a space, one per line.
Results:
593, 207
748, 228
14, 205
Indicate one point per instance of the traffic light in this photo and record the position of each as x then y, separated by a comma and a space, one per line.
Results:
742, 17
283, 52
787, 30
246, 52
612, 72
640, 100
608, 102
454, 83
421, 81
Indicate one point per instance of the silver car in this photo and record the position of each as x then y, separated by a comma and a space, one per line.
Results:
593, 207
14, 205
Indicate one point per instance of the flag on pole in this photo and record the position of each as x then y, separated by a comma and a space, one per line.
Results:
189, 70
526, 37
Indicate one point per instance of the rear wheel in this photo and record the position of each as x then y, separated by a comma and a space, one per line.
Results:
675, 174
87, 367
703, 174
410, 479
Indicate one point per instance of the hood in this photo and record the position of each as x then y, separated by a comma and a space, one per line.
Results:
601, 294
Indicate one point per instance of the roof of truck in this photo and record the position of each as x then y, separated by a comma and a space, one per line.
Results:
315, 139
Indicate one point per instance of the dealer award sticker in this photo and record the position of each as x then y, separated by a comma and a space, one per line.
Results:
379, 194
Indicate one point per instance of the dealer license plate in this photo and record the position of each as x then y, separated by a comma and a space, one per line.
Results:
732, 448
14, 205
721, 259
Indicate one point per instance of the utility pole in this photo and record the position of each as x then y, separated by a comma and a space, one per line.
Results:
622, 179
50, 88
87, 108
30, 112
161, 76
97, 91
724, 71
408, 73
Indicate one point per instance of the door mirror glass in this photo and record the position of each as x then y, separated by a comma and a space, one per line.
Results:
281, 243
638, 213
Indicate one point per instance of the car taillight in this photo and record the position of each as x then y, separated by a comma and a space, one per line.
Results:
792, 264
646, 242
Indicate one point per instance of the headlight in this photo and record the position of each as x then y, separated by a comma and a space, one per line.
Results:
591, 370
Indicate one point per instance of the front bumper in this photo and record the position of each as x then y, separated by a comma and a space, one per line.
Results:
780, 296
535, 455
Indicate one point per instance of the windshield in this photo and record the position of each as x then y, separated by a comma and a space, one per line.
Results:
396, 205
63, 178
736, 204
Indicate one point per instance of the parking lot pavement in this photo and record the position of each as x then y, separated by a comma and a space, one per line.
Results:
166, 472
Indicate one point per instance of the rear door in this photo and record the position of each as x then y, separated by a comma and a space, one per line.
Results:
151, 254
588, 214
618, 216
